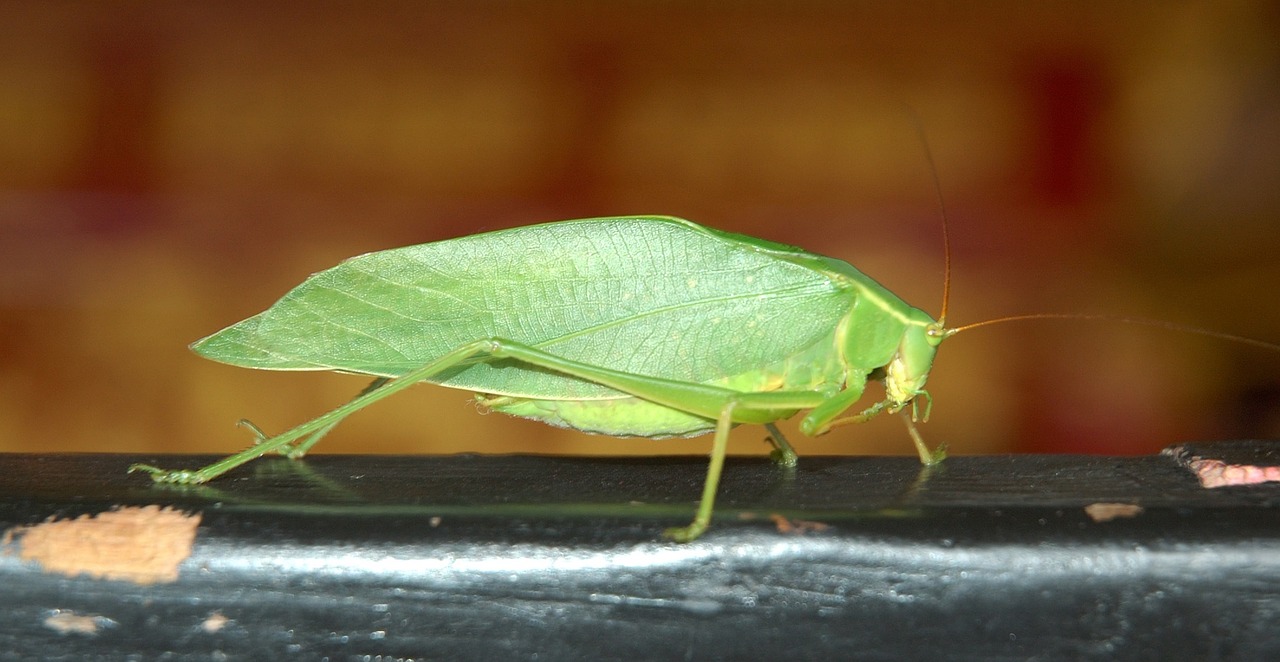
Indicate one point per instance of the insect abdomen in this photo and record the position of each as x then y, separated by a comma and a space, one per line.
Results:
815, 368
619, 417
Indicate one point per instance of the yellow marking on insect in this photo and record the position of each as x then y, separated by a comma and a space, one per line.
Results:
774, 382
896, 376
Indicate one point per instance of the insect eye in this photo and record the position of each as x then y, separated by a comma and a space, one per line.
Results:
935, 334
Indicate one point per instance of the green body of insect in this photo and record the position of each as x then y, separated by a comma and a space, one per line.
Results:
629, 326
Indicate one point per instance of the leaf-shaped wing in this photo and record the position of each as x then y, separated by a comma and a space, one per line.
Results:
650, 295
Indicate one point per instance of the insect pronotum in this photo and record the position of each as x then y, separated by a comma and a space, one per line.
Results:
647, 326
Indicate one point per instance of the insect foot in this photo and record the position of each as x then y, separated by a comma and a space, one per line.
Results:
686, 533
180, 477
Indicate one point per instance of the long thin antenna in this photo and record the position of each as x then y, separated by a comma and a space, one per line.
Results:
942, 209
1143, 321
946, 278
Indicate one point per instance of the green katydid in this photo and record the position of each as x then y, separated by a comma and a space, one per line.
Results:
647, 326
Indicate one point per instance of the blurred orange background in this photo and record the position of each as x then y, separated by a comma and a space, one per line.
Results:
167, 169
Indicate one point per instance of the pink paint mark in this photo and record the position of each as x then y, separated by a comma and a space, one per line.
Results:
1216, 473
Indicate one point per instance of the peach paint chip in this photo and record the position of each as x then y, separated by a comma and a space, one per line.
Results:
796, 526
68, 622
1216, 473
214, 623
144, 545
1105, 512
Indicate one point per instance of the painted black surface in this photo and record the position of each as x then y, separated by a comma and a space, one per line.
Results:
524, 557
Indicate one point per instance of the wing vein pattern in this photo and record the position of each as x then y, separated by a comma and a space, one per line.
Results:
649, 295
